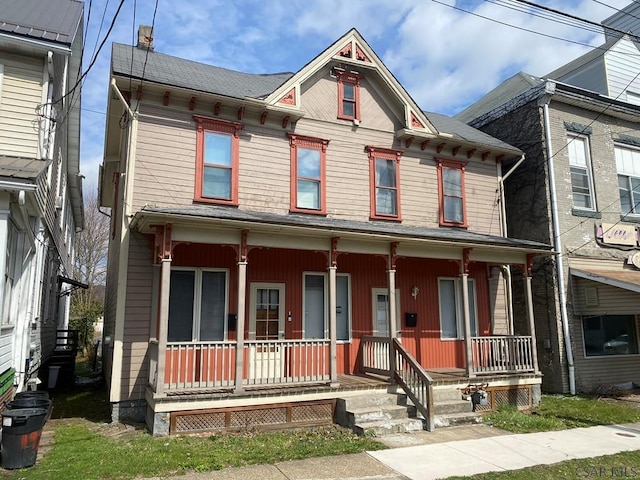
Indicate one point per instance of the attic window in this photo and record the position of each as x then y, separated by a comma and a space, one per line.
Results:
348, 95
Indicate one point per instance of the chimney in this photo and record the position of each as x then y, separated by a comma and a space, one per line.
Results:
145, 37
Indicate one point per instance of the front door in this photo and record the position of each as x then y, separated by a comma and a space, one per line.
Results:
266, 323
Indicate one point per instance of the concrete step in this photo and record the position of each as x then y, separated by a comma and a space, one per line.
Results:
453, 419
371, 400
453, 406
371, 414
446, 394
386, 427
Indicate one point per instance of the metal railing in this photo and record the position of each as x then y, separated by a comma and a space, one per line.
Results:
502, 354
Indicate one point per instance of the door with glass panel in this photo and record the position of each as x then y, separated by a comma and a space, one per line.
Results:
266, 324
380, 321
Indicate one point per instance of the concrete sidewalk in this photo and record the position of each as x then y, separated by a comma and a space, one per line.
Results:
489, 450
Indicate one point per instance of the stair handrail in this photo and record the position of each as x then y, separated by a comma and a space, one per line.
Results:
415, 381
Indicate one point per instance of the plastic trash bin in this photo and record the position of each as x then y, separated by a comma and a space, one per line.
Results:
21, 431
31, 402
33, 394
54, 371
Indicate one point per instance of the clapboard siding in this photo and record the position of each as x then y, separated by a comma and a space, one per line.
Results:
20, 94
622, 69
6, 356
137, 322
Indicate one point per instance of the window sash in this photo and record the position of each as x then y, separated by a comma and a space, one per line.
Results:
609, 335
580, 170
580, 185
629, 190
452, 195
451, 308
386, 187
309, 181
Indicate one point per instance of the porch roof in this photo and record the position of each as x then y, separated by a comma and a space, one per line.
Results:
626, 279
332, 226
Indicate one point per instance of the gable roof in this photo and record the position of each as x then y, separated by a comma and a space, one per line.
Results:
583, 60
178, 72
53, 21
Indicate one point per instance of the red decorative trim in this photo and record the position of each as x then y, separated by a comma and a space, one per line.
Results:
165, 98
393, 255
440, 147
334, 251
407, 142
285, 121
442, 163
139, 93
415, 123
348, 78
289, 98
244, 251
500, 158
485, 155
455, 150
240, 113
470, 152
345, 51
263, 117
529, 266
192, 103
220, 126
320, 144
465, 259
388, 154
216, 108
424, 144
162, 242
360, 55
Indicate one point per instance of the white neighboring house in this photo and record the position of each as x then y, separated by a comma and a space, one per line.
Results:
41, 206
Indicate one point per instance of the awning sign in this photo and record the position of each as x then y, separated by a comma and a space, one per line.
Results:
616, 234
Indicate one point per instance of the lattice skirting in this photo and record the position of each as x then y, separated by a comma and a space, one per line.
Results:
520, 397
274, 416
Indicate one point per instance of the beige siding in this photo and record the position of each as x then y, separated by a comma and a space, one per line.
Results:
6, 357
20, 94
497, 298
137, 319
595, 372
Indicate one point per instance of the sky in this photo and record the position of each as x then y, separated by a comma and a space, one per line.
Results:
446, 53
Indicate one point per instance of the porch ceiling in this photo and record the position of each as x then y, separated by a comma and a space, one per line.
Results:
209, 215
626, 279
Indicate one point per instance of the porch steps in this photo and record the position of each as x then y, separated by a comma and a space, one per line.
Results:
379, 413
450, 410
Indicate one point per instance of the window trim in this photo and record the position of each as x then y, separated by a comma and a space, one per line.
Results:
612, 355
375, 291
457, 282
206, 124
385, 154
197, 301
572, 137
453, 165
311, 143
348, 78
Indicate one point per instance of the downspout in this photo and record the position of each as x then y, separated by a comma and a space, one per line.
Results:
557, 245
503, 227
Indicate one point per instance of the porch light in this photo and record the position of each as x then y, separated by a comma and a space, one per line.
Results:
414, 291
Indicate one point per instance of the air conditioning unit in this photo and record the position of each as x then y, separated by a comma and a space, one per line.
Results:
59, 202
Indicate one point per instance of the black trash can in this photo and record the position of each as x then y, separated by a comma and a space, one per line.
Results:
21, 431
33, 394
30, 402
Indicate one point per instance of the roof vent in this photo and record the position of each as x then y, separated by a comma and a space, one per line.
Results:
145, 37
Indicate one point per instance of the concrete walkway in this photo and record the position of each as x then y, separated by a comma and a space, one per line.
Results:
482, 449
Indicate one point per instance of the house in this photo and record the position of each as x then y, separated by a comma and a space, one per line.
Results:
274, 237
41, 206
579, 127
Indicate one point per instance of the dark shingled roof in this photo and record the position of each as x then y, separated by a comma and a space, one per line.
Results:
48, 20
19, 168
178, 72
312, 221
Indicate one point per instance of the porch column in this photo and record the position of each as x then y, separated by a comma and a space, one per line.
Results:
467, 324
333, 356
242, 289
392, 323
532, 324
163, 324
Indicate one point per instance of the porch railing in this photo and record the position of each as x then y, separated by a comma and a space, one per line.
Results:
502, 354
375, 355
200, 365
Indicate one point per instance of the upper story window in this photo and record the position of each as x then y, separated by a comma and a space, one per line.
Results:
384, 179
217, 145
308, 184
453, 211
628, 167
348, 95
581, 177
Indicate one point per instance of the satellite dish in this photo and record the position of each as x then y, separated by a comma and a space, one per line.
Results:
635, 259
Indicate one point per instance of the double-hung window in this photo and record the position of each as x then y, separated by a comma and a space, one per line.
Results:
384, 178
580, 167
217, 144
452, 308
628, 166
197, 305
451, 193
308, 160
348, 95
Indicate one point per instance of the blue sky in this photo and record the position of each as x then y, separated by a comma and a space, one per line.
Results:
444, 57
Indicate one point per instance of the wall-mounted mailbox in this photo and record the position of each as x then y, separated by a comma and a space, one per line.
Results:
410, 319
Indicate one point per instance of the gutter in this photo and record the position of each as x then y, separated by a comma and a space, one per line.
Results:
557, 245
45, 46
